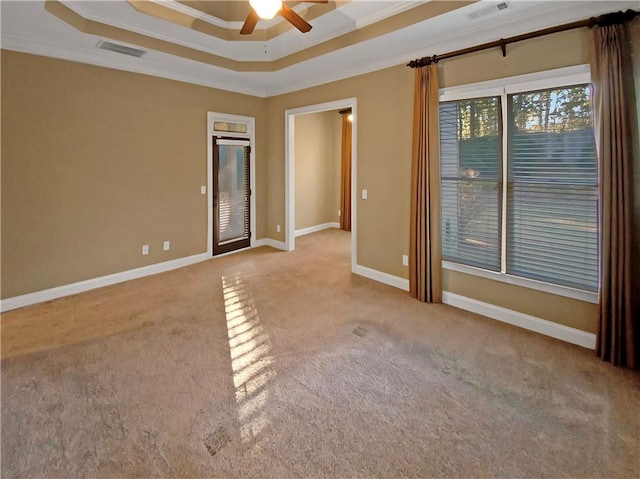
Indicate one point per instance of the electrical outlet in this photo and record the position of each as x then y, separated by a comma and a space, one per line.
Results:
405, 260
278, 228
166, 245
203, 190
145, 249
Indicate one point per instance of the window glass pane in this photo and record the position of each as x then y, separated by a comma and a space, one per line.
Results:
226, 126
552, 215
233, 198
470, 155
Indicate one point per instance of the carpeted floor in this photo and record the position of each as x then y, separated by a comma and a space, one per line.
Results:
277, 365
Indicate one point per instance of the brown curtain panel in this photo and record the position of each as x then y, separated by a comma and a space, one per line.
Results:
425, 257
345, 177
619, 326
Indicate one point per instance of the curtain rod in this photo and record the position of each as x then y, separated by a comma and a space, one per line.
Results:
603, 20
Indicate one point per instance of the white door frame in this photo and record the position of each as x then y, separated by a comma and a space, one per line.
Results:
251, 134
289, 173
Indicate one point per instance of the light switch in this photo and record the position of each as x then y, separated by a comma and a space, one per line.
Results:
145, 249
364, 194
166, 245
405, 260
203, 190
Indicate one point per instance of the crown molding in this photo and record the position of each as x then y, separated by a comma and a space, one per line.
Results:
86, 14
256, 51
362, 58
395, 9
512, 25
218, 22
51, 50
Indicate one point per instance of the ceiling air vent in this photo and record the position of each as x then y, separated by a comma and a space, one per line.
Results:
488, 11
115, 47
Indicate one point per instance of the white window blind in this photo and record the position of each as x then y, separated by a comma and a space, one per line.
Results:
471, 185
233, 191
550, 208
552, 216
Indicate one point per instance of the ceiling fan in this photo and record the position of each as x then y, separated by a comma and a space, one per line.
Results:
267, 9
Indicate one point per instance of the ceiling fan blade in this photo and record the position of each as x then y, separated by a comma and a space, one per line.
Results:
294, 19
249, 23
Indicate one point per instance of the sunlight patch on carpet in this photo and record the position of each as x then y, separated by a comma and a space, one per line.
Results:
251, 360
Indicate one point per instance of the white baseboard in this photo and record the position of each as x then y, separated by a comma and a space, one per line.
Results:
532, 323
538, 325
381, 277
313, 229
270, 242
93, 283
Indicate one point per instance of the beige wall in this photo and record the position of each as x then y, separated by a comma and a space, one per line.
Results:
385, 100
383, 126
545, 53
317, 165
564, 49
97, 162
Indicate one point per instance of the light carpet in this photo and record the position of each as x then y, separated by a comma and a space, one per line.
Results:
277, 365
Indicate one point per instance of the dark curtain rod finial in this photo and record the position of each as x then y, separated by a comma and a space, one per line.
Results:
614, 18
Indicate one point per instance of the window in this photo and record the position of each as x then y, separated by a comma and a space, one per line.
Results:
520, 185
471, 181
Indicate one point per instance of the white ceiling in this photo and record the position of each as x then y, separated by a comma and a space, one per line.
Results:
28, 27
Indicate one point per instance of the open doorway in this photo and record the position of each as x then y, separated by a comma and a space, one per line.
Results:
315, 181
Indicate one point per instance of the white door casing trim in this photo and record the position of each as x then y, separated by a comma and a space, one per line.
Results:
251, 133
289, 172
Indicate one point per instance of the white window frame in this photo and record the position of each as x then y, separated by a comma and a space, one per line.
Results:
557, 78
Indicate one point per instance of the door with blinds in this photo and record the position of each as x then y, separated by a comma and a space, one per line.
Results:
231, 195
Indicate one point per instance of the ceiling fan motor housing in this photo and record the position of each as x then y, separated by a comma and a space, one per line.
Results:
267, 9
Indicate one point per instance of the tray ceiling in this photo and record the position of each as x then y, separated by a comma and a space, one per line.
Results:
198, 41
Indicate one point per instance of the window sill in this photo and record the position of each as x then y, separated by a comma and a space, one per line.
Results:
565, 291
